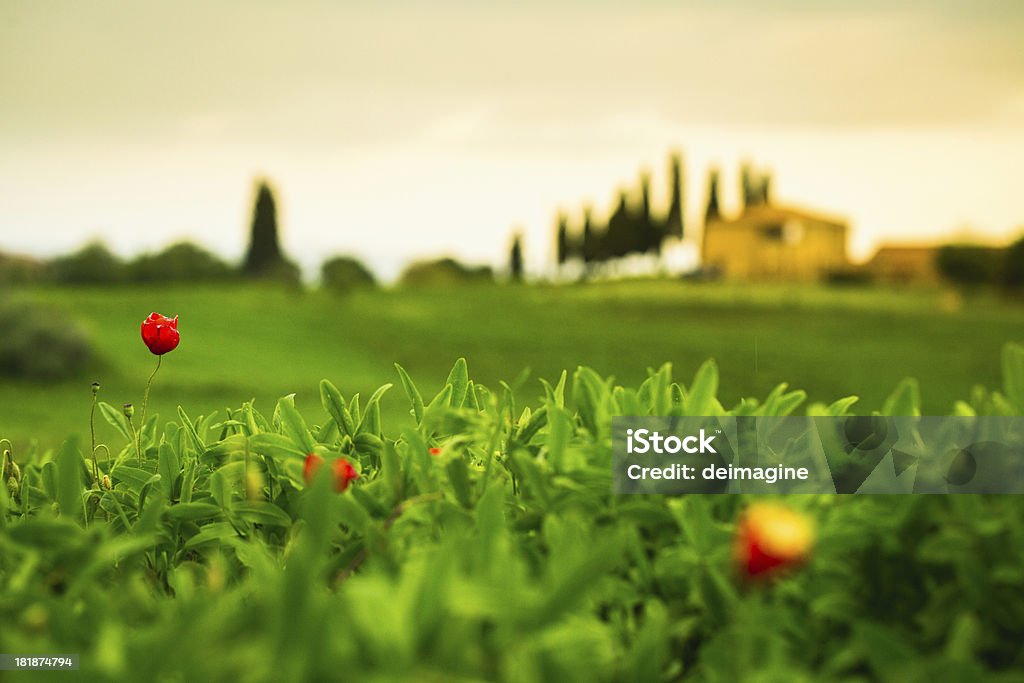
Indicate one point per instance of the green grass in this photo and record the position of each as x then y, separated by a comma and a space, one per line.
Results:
241, 342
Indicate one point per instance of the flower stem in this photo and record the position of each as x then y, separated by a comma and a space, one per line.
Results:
137, 438
145, 403
92, 431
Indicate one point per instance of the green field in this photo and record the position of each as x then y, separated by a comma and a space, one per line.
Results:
240, 342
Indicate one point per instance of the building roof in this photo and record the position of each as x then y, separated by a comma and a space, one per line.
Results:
770, 213
903, 254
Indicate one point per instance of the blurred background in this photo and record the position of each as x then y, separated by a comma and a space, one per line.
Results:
818, 193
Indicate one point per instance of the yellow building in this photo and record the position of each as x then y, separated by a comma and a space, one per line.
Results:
775, 243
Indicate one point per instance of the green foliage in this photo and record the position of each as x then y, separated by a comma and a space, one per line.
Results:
344, 273
1013, 266
92, 264
970, 265
181, 262
38, 342
504, 556
445, 271
16, 269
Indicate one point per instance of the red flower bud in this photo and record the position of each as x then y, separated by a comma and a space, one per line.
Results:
343, 474
770, 538
313, 462
160, 333
342, 470
435, 451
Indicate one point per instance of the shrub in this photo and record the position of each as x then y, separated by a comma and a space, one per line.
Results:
92, 264
344, 273
445, 271
970, 265
21, 269
848, 277
183, 261
1013, 265
40, 343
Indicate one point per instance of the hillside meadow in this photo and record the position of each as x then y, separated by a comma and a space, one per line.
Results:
242, 342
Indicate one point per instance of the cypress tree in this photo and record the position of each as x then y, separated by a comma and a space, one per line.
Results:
591, 240
562, 244
750, 188
620, 239
264, 254
712, 212
648, 236
515, 259
674, 220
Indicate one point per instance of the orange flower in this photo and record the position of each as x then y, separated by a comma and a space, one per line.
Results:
435, 451
342, 470
770, 538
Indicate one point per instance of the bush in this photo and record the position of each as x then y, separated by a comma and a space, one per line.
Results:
445, 271
344, 273
848, 277
92, 264
183, 261
40, 343
1013, 265
970, 265
21, 269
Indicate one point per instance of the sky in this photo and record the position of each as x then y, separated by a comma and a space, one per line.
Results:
392, 130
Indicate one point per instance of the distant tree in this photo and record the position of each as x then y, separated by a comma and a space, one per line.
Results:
445, 271
344, 273
264, 257
649, 233
1013, 265
645, 196
970, 265
16, 269
712, 212
592, 249
766, 188
620, 239
755, 186
515, 259
183, 261
93, 263
562, 246
749, 191
674, 220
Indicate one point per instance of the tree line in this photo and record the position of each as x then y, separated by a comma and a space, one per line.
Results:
633, 228
264, 260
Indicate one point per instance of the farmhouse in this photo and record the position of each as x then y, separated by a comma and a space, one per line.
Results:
769, 242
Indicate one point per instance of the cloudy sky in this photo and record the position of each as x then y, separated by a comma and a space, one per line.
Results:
392, 130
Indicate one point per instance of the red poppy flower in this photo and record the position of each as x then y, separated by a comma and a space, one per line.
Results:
343, 471
160, 333
435, 451
770, 538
